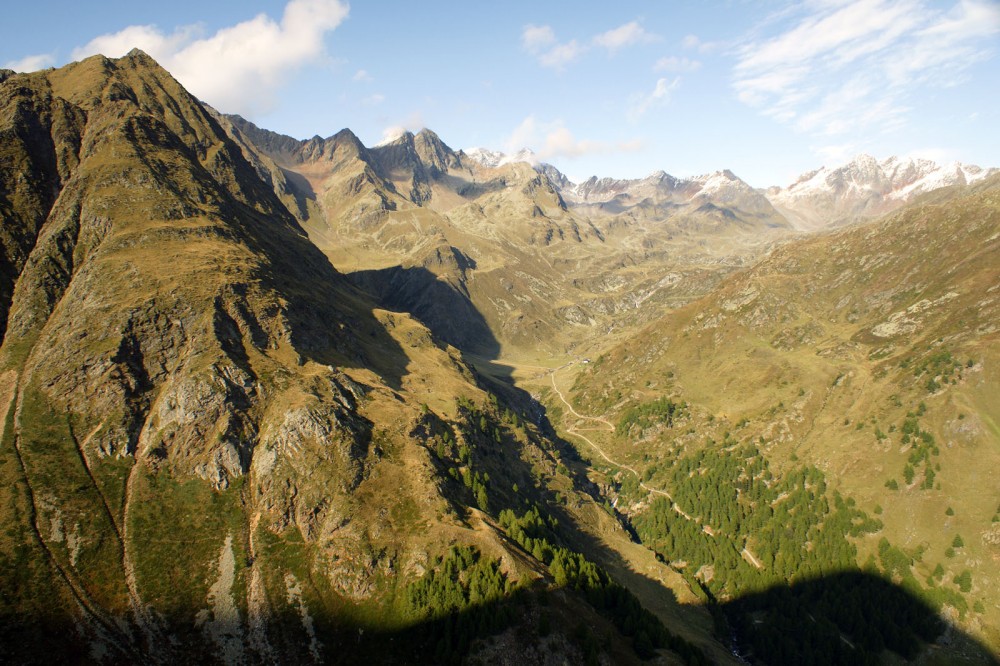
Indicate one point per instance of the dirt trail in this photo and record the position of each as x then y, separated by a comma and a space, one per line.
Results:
610, 427
747, 555
605, 426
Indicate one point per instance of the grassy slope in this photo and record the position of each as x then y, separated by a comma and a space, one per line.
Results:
808, 349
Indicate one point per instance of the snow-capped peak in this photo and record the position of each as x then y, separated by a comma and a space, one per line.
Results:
894, 177
484, 156
495, 158
865, 186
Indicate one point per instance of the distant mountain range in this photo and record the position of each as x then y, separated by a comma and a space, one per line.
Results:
863, 188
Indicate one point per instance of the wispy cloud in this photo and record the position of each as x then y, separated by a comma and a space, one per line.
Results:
676, 64
561, 55
694, 43
31, 63
836, 66
239, 68
630, 34
541, 42
838, 153
362, 76
551, 140
660, 95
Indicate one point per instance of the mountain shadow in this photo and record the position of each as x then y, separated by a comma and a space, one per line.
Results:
850, 617
865, 620
529, 623
440, 306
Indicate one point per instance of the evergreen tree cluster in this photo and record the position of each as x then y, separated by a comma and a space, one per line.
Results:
800, 605
923, 447
662, 411
476, 445
728, 499
535, 534
940, 368
463, 598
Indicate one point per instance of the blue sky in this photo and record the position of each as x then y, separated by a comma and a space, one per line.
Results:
768, 89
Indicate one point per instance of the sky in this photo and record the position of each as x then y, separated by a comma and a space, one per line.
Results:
768, 89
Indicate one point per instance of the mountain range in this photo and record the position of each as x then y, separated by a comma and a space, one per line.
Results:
273, 400
829, 196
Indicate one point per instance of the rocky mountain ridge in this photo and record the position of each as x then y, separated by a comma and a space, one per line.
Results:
866, 187
862, 188
485, 233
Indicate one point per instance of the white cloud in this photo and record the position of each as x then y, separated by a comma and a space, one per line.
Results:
31, 63
625, 35
239, 68
836, 154
373, 100
541, 42
693, 42
561, 55
643, 102
391, 133
939, 155
149, 38
554, 140
676, 64
536, 38
412, 123
362, 76
837, 66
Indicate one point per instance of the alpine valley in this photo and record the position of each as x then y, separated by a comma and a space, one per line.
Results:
278, 401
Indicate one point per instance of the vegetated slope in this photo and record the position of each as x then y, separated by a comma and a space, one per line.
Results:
443, 234
861, 362
216, 449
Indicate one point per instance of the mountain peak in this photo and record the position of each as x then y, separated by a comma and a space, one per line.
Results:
865, 187
140, 55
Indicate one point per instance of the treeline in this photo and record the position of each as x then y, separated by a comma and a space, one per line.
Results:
940, 367
765, 546
461, 599
535, 534
476, 453
728, 500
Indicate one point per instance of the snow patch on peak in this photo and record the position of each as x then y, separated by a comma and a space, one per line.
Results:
721, 180
484, 156
494, 158
865, 187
